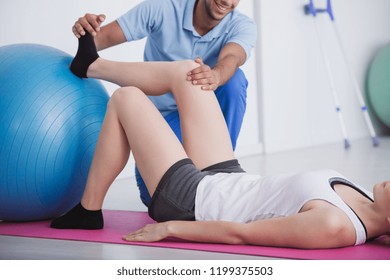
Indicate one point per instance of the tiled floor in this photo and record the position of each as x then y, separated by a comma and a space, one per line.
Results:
362, 163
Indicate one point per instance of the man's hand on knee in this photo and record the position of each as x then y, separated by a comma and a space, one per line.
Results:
204, 76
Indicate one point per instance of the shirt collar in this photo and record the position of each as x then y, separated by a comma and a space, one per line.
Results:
189, 15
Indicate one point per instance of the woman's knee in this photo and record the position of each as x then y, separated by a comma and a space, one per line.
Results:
185, 66
125, 96
180, 86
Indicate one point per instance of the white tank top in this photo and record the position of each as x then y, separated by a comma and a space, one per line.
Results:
241, 197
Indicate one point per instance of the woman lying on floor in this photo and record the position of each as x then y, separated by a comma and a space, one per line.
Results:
199, 191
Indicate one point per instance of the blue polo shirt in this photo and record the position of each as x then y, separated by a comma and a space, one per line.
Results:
171, 36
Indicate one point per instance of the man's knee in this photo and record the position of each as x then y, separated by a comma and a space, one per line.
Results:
235, 88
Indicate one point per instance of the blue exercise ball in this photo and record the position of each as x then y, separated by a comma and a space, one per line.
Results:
49, 125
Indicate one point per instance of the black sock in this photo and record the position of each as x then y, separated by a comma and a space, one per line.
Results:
85, 56
79, 218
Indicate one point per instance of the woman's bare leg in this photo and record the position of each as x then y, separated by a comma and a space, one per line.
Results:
204, 131
154, 145
110, 157
132, 122
205, 135
151, 77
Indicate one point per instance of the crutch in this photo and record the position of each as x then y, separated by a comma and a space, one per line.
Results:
311, 9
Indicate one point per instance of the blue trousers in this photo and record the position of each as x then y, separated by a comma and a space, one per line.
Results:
232, 99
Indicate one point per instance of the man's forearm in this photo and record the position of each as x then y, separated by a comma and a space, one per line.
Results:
225, 68
109, 35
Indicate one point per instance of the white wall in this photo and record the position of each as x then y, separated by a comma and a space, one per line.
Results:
296, 102
49, 22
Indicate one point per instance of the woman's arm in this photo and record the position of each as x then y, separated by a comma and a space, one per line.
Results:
324, 226
320, 227
199, 231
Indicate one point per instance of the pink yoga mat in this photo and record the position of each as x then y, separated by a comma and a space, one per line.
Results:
118, 223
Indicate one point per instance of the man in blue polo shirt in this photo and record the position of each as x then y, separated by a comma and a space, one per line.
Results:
212, 32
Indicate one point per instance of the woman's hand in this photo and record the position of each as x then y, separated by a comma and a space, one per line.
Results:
149, 233
90, 23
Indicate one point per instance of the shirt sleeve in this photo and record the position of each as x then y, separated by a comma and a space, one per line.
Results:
244, 33
141, 20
